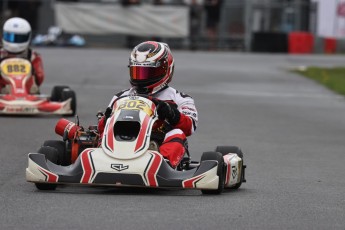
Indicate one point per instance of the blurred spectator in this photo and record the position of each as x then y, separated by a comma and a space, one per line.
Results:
212, 8
157, 2
167, 2
130, 40
5, 13
130, 2
26, 9
195, 14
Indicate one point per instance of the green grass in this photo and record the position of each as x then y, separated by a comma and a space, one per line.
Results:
332, 78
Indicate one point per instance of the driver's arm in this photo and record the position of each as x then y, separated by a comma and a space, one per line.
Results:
37, 66
188, 117
102, 120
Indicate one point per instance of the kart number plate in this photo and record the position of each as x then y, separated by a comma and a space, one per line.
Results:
136, 105
16, 67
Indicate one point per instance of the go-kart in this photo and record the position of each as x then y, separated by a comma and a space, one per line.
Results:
128, 155
16, 98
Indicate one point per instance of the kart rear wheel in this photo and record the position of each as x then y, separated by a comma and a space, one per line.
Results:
220, 171
57, 92
224, 150
229, 149
63, 157
66, 94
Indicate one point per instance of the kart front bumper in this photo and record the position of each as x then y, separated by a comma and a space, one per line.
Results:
91, 170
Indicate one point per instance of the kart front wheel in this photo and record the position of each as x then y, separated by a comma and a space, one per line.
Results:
44, 186
224, 150
63, 157
51, 154
215, 156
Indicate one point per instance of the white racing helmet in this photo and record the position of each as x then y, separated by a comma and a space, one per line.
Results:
16, 35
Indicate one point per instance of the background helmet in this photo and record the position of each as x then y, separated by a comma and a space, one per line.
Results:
151, 67
16, 35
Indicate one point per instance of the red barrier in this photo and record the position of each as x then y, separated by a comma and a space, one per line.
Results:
301, 43
330, 45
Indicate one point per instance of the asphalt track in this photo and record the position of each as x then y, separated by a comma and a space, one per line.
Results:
291, 130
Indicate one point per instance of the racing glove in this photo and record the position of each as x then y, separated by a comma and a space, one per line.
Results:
106, 114
168, 112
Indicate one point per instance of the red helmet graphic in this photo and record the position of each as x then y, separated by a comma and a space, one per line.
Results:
151, 67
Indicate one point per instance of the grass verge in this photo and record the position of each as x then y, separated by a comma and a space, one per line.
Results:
332, 78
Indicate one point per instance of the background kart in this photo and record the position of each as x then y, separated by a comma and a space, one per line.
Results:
16, 98
128, 156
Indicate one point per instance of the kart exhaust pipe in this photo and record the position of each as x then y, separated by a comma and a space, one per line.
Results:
66, 128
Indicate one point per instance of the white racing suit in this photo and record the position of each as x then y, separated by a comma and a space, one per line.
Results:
172, 147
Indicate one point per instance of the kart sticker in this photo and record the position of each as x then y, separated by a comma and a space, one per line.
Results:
18, 109
152, 168
49, 176
16, 67
191, 183
119, 167
234, 172
88, 166
136, 105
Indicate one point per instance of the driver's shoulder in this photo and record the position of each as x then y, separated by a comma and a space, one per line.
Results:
173, 94
167, 94
33, 53
123, 92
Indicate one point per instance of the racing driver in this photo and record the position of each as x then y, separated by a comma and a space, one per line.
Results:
16, 37
151, 68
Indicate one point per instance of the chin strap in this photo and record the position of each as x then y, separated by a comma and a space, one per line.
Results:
145, 90
142, 90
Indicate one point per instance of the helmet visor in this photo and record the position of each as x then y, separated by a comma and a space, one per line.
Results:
147, 73
16, 38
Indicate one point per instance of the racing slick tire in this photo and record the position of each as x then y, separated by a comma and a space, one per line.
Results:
66, 94
60, 146
51, 154
224, 150
44, 186
220, 171
57, 92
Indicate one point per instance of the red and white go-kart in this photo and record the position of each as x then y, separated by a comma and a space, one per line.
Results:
16, 98
128, 155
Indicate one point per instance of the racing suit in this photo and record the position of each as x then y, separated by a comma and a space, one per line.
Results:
37, 68
172, 147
